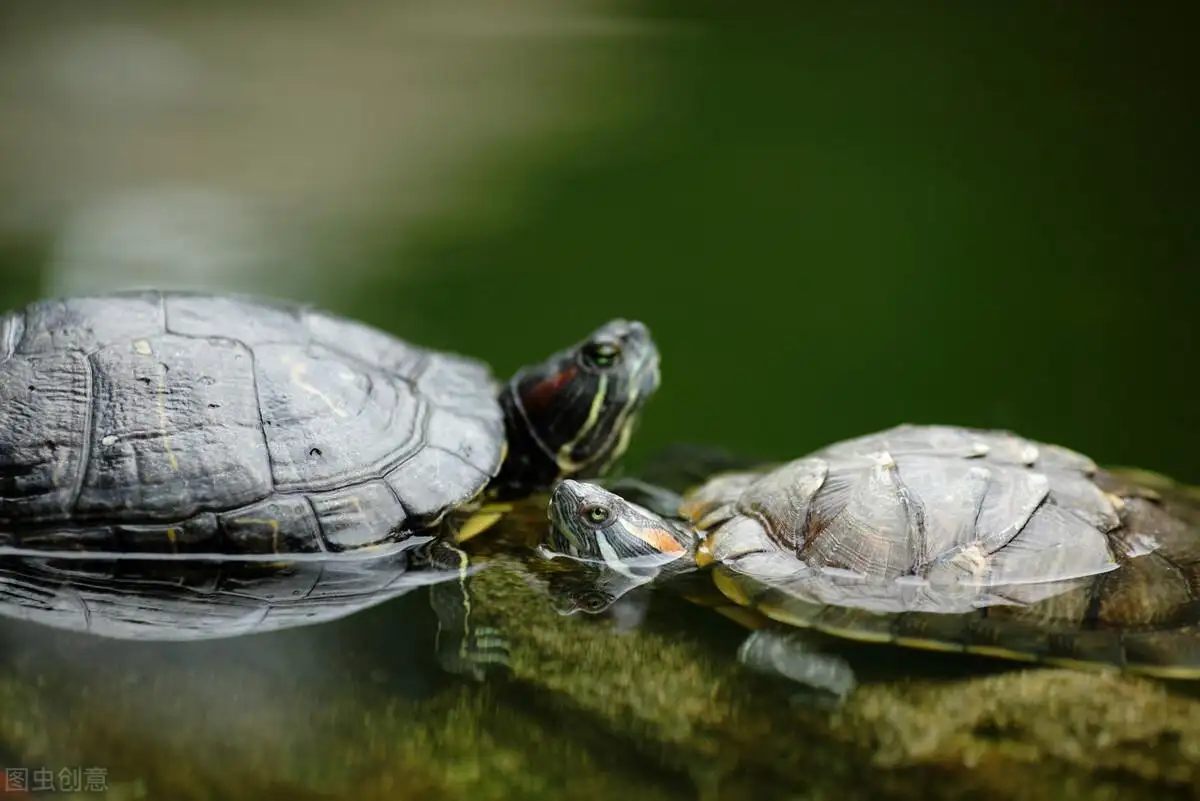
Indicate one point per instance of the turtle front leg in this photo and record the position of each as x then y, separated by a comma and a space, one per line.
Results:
787, 653
462, 648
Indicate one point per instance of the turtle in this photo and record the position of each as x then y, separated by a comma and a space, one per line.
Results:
928, 536
182, 465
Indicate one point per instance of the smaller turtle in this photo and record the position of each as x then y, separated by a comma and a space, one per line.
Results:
931, 537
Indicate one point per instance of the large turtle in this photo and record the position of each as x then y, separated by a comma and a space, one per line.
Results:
927, 536
178, 465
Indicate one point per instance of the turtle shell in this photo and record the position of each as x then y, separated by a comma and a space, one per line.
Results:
965, 540
143, 428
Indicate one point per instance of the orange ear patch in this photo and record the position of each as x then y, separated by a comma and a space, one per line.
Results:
660, 540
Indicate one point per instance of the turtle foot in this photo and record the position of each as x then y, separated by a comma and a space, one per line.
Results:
826, 679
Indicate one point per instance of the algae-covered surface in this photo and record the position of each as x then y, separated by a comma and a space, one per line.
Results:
589, 709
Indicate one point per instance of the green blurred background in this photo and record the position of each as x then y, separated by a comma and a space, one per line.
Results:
834, 217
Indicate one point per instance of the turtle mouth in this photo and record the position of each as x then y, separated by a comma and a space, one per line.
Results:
642, 353
648, 374
564, 500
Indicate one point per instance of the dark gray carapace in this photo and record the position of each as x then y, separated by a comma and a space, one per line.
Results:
181, 465
152, 421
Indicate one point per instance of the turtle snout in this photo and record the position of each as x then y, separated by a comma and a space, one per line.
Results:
630, 333
635, 336
639, 348
568, 488
635, 331
564, 499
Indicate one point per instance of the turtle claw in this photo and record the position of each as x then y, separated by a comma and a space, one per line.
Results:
476, 655
826, 679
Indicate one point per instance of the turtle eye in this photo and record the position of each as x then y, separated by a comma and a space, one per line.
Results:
601, 355
595, 514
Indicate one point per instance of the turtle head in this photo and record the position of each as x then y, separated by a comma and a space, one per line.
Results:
618, 545
572, 415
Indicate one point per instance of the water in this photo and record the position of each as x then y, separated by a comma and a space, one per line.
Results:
833, 221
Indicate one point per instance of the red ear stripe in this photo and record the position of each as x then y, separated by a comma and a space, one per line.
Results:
660, 540
546, 391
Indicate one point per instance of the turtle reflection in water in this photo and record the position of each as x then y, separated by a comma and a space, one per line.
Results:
180, 466
930, 537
